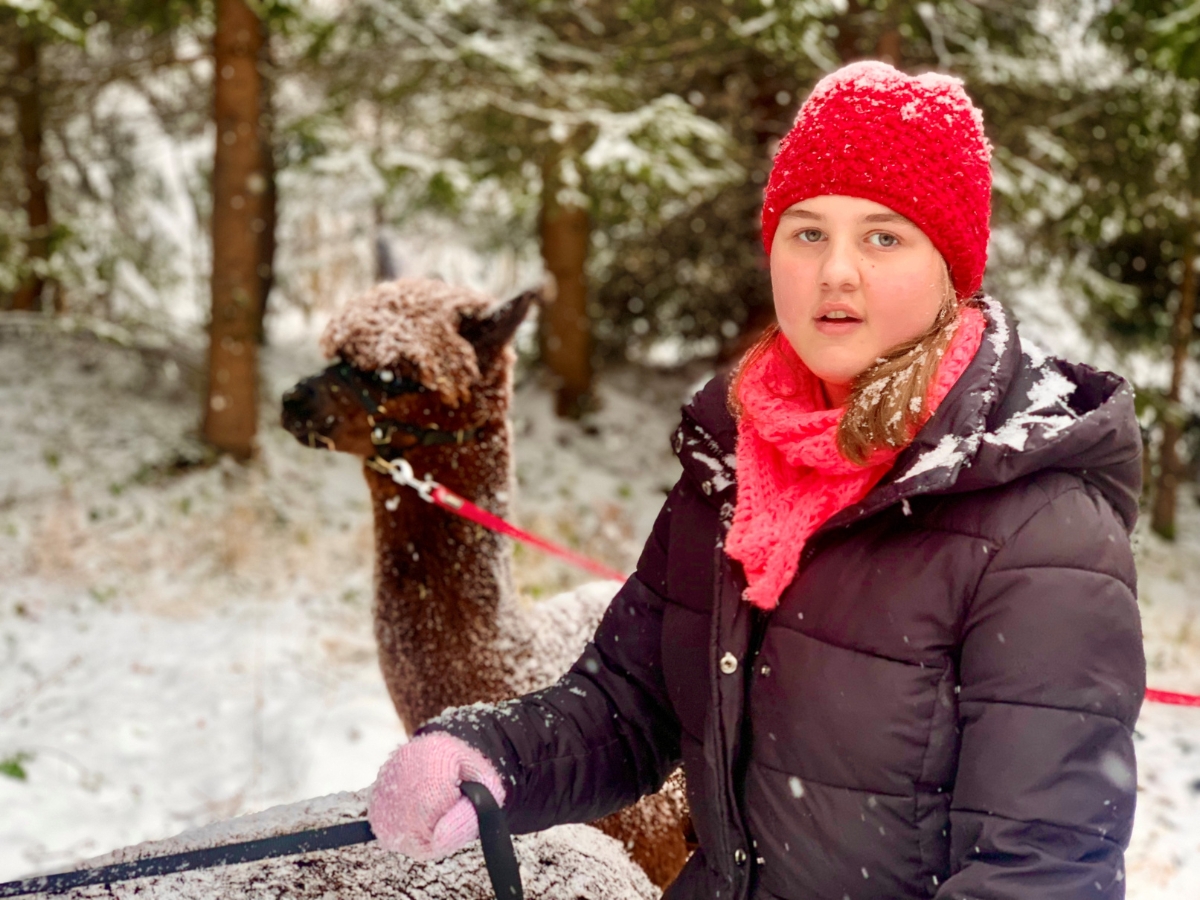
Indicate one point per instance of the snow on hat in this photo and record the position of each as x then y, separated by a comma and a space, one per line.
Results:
914, 144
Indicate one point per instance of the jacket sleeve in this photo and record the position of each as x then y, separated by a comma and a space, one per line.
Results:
1052, 675
604, 734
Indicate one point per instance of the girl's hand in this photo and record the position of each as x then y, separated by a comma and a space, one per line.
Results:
416, 805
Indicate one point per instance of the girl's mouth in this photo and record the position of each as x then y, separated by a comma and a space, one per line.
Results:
837, 321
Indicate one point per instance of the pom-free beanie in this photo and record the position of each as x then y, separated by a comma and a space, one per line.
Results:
913, 143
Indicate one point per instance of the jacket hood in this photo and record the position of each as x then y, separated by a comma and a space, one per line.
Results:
1014, 412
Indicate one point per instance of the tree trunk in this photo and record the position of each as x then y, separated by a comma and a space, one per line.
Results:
1162, 518
37, 200
270, 198
890, 48
565, 331
385, 260
238, 185
849, 32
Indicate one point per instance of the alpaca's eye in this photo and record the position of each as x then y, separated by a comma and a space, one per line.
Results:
393, 383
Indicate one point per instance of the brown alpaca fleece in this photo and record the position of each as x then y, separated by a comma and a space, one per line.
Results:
412, 320
449, 627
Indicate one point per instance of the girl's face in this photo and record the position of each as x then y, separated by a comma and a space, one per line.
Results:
851, 280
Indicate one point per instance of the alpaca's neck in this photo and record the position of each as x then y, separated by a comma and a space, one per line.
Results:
445, 616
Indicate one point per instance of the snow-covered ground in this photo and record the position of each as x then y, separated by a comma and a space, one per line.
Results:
1164, 858
181, 646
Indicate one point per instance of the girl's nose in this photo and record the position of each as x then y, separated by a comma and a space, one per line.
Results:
839, 271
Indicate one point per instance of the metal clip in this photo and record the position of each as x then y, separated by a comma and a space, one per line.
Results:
401, 471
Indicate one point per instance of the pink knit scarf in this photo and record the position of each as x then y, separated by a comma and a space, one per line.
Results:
791, 475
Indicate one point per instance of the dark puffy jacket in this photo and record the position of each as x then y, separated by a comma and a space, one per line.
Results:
941, 705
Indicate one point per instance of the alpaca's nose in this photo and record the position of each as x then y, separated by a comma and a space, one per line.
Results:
298, 403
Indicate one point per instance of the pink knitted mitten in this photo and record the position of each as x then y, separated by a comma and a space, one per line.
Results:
416, 806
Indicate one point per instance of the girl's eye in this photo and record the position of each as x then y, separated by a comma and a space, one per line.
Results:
810, 235
883, 239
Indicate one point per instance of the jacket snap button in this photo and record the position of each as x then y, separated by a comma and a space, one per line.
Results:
729, 666
706, 487
739, 856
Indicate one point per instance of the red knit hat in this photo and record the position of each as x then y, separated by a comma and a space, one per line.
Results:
914, 144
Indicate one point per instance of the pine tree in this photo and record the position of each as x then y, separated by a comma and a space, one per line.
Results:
58, 58
1100, 167
528, 107
1165, 37
36, 25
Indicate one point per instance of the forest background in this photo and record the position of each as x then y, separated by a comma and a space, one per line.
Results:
184, 176
188, 190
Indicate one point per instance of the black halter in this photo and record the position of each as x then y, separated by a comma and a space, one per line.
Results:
372, 389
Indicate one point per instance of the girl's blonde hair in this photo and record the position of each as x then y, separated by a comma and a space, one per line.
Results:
886, 405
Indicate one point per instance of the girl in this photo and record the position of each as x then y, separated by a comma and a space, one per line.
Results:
886, 619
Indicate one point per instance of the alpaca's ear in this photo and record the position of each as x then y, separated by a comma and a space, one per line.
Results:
490, 332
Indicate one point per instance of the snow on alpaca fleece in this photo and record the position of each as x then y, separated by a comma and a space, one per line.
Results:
414, 320
791, 475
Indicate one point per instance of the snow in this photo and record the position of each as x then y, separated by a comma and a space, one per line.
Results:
878, 83
720, 481
598, 484
177, 649
180, 648
1051, 392
1053, 389
946, 454
173, 649
570, 862
1163, 862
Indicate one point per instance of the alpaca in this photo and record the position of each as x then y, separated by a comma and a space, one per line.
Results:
425, 370
571, 862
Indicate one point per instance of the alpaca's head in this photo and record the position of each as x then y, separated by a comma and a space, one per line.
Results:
414, 360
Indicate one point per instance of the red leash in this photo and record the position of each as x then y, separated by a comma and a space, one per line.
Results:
1172, 698
441, 496
448, 500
